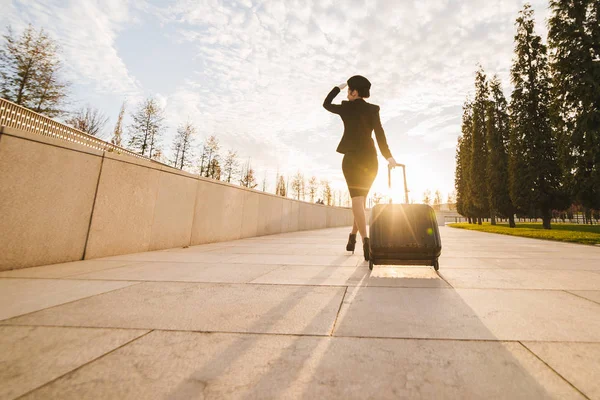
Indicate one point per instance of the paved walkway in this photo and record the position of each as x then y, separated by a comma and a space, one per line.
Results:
295, 316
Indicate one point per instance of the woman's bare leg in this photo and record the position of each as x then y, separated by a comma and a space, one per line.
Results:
360, 222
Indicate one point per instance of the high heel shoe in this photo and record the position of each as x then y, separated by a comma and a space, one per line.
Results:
351, 243
367, 249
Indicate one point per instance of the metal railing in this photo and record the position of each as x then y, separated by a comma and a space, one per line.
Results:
15, 116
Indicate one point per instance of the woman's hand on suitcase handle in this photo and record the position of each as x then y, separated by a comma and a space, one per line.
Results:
392, 163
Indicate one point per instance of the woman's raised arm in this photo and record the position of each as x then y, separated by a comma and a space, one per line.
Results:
334, 108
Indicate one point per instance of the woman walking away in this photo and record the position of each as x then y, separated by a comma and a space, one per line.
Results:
360, 157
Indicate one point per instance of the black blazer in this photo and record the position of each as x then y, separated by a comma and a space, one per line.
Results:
360, 119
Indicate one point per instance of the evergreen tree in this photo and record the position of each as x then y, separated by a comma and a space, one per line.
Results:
574, 41
89, 120
477, 182
464, 204
497, 143
117, 137
30, 72
535, 174
146, 128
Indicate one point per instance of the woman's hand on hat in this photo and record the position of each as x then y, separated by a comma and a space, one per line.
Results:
343, 86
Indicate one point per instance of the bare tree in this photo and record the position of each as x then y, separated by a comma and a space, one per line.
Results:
231, 165
215, 169
89, 120
248, 180
437, 200
303, 188
451, 197
281, 187
347, 200
427, 197
52, 90
159, 156
297, 184
117, 137
376, 198
212, 151
264, 182
203, 158
182, 145
30, 72
327, 193
313, 187
146, 128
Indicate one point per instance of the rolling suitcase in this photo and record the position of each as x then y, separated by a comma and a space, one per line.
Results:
405, 234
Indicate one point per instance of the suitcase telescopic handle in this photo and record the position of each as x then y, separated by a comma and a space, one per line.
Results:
405, 185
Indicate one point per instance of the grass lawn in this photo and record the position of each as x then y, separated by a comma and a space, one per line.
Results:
585, 234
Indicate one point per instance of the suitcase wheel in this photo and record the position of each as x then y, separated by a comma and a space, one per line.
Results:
371, 265
436, 265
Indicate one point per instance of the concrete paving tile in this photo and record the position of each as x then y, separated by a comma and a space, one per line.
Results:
468, 314
520, 263
578, 363
314, 240
405, 276
521, 279
200, 248
22, 296
314, 275
203, 307
340, 261
183, 272
33, 356
180, 365
291, 250
164, 256
593, 295
273, 244
63, 270
506, 252
460, 262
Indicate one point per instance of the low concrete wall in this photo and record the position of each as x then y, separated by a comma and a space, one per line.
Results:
61, 202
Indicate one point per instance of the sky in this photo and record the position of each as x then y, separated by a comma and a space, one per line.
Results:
255, 72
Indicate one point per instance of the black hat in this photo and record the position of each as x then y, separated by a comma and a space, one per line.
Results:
360, 83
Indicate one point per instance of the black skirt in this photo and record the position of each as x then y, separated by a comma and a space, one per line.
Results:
360, 170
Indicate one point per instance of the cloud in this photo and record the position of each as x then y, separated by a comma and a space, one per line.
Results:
86, 32
261, 68
267, 65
